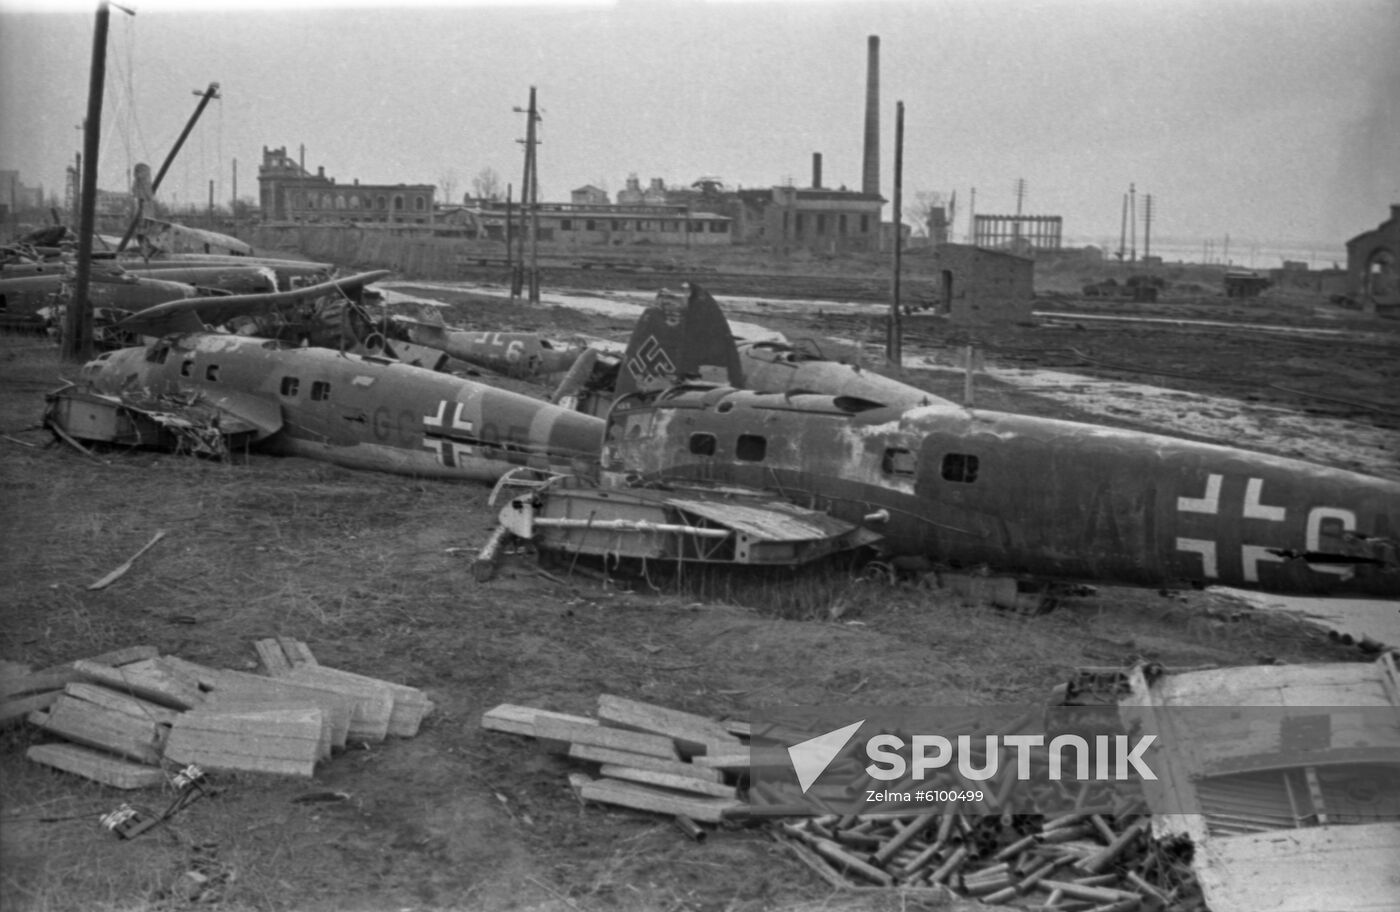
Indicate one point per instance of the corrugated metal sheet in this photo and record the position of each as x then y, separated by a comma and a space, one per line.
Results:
1287, 780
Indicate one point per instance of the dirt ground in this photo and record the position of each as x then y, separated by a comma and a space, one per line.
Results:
374, 573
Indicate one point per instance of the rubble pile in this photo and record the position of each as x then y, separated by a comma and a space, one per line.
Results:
125, 716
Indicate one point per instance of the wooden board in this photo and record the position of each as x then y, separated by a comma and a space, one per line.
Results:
692, 733
97, 766
13, 711
257, 704
408, 704
150, 679
668, 781
201, 675
266, 741
607, 755
520, 720
272, 656
95, 726
297, 652
639, 797
120, 702
737, 762
55, 676
236, 686
601, 736
371, 705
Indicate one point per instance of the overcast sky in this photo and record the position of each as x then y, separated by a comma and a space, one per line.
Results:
1270, 120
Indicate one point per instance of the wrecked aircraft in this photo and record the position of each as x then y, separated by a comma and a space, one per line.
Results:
521, 355
693, 335
1024, 495
690, 338
214, 393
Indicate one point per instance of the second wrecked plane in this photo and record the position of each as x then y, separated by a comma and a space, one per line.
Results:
937, 482
214, 392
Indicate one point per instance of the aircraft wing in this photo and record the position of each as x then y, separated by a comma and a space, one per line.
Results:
196, 314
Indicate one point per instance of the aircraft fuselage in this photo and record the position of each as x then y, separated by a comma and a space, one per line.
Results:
1030, 495
360, 412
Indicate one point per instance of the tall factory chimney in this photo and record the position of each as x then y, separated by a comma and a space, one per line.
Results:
870, 174
816, 170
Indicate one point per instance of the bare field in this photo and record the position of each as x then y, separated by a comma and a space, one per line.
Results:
366, 569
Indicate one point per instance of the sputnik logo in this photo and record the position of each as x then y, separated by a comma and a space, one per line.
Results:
810, 758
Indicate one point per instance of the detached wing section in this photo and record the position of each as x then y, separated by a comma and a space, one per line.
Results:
715, 526
196, 314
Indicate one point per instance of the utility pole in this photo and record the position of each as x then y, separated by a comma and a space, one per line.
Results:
1020, 197
530, 202
972, 217
1123, 230
1132, 222
895, 343
510, 237
1147, 227
77, 316
233, 200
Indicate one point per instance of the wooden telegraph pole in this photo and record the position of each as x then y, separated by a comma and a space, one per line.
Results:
77, 317
530, 208
894, 347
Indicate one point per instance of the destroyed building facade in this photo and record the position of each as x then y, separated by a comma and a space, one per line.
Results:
290, 193
1371, 265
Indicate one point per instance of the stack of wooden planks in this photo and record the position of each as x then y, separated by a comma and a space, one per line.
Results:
126, 717
648, 757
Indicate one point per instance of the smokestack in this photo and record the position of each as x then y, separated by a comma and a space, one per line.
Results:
816, 170
870, 174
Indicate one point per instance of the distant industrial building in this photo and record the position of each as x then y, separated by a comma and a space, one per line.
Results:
289, 193
811, 218
1373, 278
598, 224
1018, 233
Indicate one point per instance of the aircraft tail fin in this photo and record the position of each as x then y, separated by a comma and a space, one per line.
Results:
675, 342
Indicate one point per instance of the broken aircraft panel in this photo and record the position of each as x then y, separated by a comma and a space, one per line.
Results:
696, 524
1285, 779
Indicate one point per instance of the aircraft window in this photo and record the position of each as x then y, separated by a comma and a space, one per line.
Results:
158, 354
290, 385
187, 368
702, 444
751, 448
320, 390
211, 372
960, 467
898, 461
